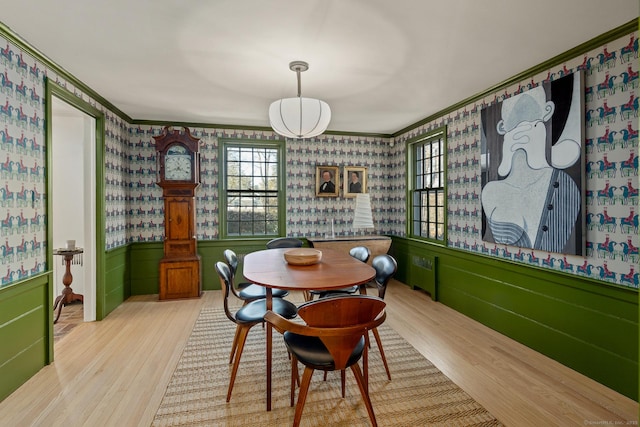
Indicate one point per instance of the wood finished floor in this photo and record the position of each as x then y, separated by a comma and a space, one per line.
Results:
114, 372
71, 316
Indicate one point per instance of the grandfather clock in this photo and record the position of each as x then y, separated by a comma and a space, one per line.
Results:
178, 173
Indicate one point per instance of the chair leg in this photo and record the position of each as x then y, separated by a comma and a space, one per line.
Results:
302, 395
295, 378
384, 359
343, 378
355, 368
235, 344
242, 337
365, 363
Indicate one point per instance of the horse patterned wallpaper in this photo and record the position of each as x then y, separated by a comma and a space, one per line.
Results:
23, 197
134, 209
307, 215
611, 146
22, 161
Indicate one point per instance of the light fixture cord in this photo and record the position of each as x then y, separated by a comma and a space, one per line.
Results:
299, 81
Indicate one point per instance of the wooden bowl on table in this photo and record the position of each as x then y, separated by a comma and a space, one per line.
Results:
303, 256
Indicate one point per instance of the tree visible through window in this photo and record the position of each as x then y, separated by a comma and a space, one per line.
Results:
251, 189
427, 187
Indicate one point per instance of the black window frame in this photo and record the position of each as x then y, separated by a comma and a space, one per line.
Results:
427, 187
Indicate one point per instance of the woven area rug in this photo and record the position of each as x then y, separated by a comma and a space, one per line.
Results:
418, 394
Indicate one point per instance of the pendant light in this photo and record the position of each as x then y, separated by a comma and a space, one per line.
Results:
299, 117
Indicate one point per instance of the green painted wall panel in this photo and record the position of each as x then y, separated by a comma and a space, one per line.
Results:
537, 300
211, 252
114, 298
24, 331
589, 326
144, 260
117, 278
17, 371
587, 357
581, 315
22, 299
20, 333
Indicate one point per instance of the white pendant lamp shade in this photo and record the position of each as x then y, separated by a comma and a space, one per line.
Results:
299, 117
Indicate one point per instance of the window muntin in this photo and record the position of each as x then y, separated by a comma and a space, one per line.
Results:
252, 187
427, 187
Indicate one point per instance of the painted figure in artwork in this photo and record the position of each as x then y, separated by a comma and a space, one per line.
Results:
533, 202
327, 185
355, 186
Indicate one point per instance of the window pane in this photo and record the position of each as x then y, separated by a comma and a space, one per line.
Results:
252, 179
428, 212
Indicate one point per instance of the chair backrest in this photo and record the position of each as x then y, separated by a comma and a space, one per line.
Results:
351, 317
284, 242
360, 252
226, 284
347, 310
385, 266
232, 260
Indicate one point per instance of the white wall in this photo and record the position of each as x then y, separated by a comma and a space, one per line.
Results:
74, 200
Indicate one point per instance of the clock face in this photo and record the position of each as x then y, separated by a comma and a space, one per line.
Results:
177, 164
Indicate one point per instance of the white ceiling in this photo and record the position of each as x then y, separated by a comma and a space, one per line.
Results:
381, 65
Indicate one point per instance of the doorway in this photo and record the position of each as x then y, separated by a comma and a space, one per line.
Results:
73, 163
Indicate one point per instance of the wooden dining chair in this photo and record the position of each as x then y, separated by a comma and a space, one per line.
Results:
361, 253
284, 242
330, 342
250, 314
247, 291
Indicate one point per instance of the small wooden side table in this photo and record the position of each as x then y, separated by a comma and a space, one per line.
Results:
67, 296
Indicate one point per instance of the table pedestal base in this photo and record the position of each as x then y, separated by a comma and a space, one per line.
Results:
68, 296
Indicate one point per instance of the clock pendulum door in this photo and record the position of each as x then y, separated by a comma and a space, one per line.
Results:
180, 267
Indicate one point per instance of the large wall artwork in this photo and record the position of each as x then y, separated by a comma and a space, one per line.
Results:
532, 168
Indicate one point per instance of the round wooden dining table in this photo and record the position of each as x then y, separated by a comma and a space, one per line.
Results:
334, 271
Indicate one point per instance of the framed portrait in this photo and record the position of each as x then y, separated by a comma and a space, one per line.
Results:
355, 180
327, 181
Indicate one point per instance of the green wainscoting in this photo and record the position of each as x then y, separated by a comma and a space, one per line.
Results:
145, 258
587, 325
26, 319
117, 287
26, 331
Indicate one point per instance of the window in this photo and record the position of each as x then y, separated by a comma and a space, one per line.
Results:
252, 189
427, 212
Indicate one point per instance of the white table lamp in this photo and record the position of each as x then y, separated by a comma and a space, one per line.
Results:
362, 216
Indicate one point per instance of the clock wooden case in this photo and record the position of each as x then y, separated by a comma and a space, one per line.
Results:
178, 174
